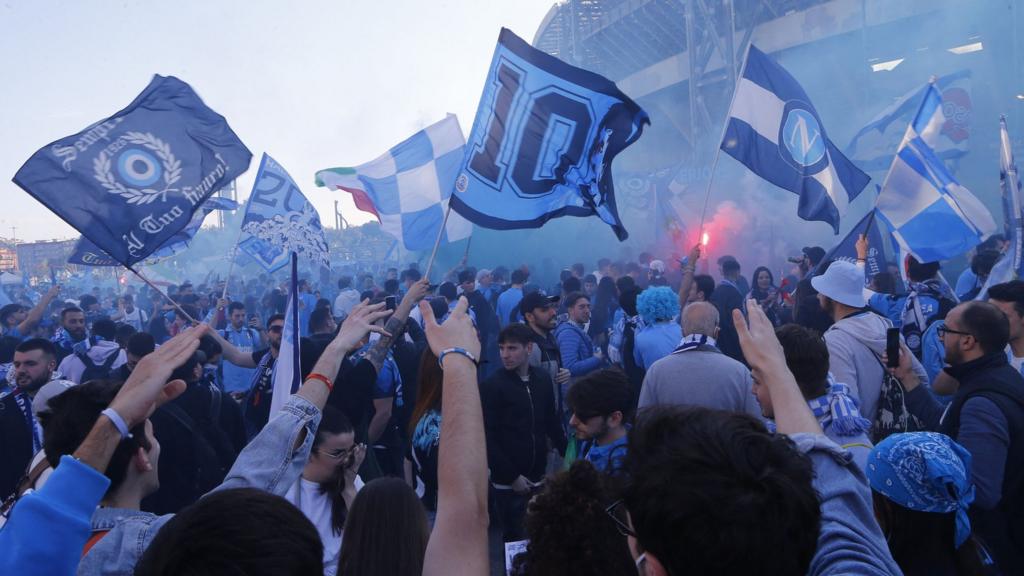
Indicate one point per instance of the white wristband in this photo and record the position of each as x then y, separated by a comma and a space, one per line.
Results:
118, 422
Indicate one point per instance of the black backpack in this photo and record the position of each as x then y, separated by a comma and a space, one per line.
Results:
95, 371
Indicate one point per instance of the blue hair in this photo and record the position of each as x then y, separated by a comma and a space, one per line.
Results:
657, 303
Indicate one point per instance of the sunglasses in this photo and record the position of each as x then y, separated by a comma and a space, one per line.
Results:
620, 516
275, 329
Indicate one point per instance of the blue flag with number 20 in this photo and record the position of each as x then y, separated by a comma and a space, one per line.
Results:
543, 141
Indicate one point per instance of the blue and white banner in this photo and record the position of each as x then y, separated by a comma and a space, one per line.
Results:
774, 130
288, 370
88, 254
408, 187
932, 217
874, 146
543, 142
279, 215
271, 258
132, 181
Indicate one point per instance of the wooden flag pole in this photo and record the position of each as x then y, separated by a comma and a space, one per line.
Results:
440, 233
162, 293
231, 265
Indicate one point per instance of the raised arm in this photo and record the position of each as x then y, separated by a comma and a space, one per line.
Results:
689, 270
36, 313
232, 353
396, 324
458, 542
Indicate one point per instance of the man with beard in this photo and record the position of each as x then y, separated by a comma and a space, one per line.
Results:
72, 336
256, 401
21, 436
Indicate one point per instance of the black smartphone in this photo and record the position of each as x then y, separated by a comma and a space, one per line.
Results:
390, 303
892, 347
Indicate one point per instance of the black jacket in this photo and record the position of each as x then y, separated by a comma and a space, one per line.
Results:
1001, 528
728, 298
195, 452
517, 418
15, 445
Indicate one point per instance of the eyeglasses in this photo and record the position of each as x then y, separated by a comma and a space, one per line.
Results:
338, 454
620, 516
275, 329
943, 330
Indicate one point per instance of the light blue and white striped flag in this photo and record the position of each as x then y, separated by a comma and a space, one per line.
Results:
932, 217
874, 146
408, 187
775, 131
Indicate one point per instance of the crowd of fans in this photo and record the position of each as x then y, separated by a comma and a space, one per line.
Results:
639, 418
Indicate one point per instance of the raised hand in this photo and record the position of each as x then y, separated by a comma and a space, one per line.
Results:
456, 332
359, 323
147, 386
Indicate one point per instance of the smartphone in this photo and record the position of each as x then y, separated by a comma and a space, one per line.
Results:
892, 347
389, 303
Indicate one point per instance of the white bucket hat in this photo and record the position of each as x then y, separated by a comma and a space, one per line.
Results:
844, 283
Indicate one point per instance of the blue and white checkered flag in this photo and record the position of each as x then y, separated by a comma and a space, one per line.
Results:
932, 217
775, 131
408, 187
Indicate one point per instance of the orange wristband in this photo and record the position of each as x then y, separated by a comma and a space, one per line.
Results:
327, 381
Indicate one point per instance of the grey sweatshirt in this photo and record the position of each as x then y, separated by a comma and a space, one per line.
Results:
855, 347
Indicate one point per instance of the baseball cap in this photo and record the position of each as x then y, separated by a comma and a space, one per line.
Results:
814, 253
535, 300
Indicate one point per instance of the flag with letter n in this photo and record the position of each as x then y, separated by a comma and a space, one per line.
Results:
543, 142
132, 181
408, 187
775, 131
281, 220
932, 217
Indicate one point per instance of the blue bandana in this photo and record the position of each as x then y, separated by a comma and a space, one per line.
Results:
925, 472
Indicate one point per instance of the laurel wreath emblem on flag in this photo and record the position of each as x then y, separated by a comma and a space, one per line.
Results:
171, 170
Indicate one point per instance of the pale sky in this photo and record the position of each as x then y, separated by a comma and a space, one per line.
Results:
314, 83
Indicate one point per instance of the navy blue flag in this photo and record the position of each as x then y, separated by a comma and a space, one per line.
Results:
847, 248
543, 141
775, 131
88, 254
132, 181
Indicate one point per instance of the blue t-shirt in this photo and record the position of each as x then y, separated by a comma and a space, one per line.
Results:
508, 304
607, 458
655, 342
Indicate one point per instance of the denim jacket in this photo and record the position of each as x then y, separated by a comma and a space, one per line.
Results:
267, 463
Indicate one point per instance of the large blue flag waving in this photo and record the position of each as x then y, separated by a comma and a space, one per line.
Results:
775, 131
932, 217
281, 220
543, 141
132, 181
87, 253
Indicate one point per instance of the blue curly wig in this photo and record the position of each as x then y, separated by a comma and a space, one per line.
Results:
657, 303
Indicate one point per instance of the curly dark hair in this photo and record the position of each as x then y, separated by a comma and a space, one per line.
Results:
569, 531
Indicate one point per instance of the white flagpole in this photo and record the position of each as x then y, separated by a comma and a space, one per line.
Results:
718, 149
231, 264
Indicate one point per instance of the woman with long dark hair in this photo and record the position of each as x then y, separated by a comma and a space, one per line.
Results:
425, 432
386, 532
766, 293
921, 489
327, 488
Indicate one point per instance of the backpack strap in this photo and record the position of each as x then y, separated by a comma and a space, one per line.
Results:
93, 540
30, 479
86, 360
215, 399
109, 362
